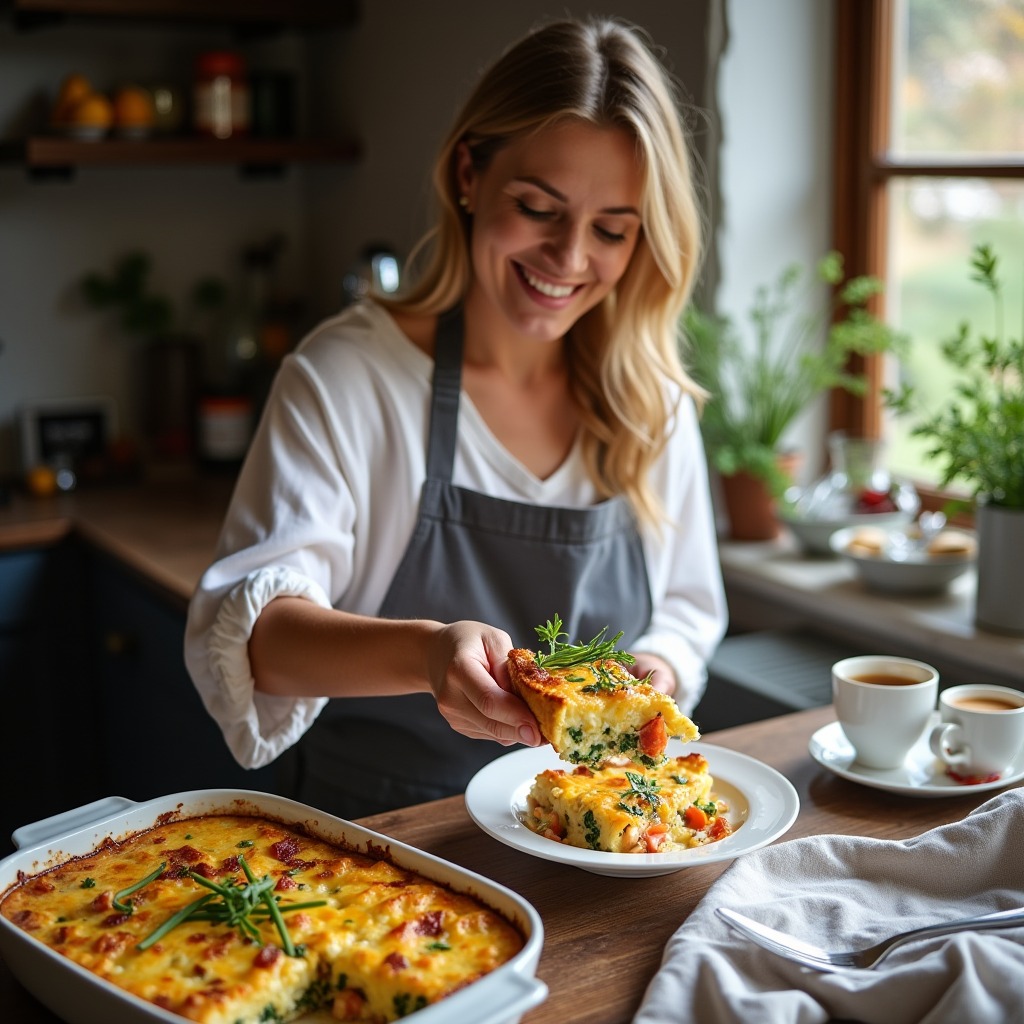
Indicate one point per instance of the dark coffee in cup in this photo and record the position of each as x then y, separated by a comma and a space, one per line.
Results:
984, 704
884, 679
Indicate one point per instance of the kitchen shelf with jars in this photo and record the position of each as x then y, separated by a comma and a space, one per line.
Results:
253, 13
228, 112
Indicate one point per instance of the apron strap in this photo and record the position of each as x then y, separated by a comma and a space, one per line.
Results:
444, 404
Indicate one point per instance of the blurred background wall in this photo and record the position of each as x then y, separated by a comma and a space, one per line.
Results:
756, 75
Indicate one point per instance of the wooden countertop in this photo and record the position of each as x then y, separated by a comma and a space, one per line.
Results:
165, 531
597, 973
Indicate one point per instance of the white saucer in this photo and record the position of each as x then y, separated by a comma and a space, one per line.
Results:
922, 773
763, 805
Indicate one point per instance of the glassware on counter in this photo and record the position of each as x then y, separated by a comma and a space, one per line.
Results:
856, 485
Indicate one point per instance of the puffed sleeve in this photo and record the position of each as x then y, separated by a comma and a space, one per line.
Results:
289, 531
689, 610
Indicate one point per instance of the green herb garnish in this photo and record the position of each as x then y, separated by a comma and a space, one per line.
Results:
404, 1003
188, 835
88, 883
270, 1013
342, 982
642, 790
440, 947
237, 906
629, 741
244, 843
565, 655
593, 833
710, 808
576, 734
127, 908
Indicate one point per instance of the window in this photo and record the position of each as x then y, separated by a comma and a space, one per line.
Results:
929, 160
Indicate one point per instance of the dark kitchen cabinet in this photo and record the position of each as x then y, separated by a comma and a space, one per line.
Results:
50, 735
158, 737
96, 697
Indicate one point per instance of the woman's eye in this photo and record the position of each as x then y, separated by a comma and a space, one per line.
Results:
529, 211
610, 236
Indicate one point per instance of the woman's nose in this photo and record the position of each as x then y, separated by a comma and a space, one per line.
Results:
567, 250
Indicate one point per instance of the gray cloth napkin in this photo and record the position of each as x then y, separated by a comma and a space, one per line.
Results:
841, 893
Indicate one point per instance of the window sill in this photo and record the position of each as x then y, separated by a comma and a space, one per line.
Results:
773, 585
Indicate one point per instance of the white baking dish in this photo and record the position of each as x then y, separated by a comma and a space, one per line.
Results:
81, 997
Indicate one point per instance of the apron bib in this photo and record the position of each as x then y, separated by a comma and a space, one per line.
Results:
471, 556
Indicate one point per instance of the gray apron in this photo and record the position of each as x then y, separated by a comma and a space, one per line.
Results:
471, 556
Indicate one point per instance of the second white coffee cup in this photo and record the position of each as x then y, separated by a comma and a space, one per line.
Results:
883, 704
982, 729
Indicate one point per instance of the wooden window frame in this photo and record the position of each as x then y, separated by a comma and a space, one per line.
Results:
862, 170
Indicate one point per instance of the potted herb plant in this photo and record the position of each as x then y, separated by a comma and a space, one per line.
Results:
756, 392
980, 435
172, 356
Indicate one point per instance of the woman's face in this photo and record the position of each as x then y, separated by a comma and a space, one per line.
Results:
555, 220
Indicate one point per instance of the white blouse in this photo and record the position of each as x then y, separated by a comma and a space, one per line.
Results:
327, 500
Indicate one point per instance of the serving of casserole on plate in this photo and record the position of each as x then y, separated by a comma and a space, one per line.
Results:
225, 906
762, 806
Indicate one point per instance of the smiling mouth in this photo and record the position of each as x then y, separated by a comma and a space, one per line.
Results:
552, 291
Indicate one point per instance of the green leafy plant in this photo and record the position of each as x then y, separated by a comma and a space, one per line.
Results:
143, 312
980, 434
565, 655
756, 393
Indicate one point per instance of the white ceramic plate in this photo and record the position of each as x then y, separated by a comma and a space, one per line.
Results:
922, 774
763, 805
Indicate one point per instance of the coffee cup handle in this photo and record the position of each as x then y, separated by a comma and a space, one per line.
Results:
948, 735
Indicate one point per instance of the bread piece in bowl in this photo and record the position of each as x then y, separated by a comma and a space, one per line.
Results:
591, 711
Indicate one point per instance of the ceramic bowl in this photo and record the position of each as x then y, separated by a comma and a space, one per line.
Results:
918, 573
814, 534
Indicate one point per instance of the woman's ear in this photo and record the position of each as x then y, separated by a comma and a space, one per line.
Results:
465, 178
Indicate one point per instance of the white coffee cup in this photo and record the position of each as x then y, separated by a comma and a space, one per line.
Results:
975, 740
883, 720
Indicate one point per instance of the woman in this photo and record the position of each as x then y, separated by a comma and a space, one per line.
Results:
434, 476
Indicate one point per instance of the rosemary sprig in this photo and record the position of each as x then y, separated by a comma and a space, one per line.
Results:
128, 908
565, 655
238, 906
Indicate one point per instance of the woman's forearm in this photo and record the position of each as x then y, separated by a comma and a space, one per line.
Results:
299, 649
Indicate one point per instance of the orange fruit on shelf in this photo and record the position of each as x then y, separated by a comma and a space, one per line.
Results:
73, 90
133, 108
41, 481
95, 111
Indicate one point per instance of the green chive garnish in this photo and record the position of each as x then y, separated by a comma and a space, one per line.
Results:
126, 908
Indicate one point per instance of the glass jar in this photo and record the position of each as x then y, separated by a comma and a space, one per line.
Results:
857, 484
221, 95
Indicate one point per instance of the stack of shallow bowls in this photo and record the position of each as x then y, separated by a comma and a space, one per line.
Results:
894, 562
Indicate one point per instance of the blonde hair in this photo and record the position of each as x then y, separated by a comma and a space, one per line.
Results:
623, 351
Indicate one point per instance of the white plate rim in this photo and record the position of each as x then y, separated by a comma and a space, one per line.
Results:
489, 803
822, 738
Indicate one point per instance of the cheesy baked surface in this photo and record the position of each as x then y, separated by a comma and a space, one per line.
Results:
590, 711
376, 944
623, 809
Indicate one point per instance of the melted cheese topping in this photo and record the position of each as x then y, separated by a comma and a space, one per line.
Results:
617, 812
388, 941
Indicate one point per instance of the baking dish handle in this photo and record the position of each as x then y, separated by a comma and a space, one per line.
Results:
77, 818
505, 997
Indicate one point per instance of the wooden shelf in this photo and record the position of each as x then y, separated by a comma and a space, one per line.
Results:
53, 152
297, 13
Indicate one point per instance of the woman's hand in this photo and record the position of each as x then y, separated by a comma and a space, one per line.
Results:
468, 674
664, 677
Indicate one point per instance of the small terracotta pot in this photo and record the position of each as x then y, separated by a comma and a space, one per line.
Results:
750, 504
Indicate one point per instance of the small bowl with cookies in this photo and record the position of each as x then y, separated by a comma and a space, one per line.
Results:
905, 561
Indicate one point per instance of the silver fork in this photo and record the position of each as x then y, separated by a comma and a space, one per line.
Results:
811, 956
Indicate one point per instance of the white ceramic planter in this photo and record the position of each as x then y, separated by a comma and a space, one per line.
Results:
1000, 604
